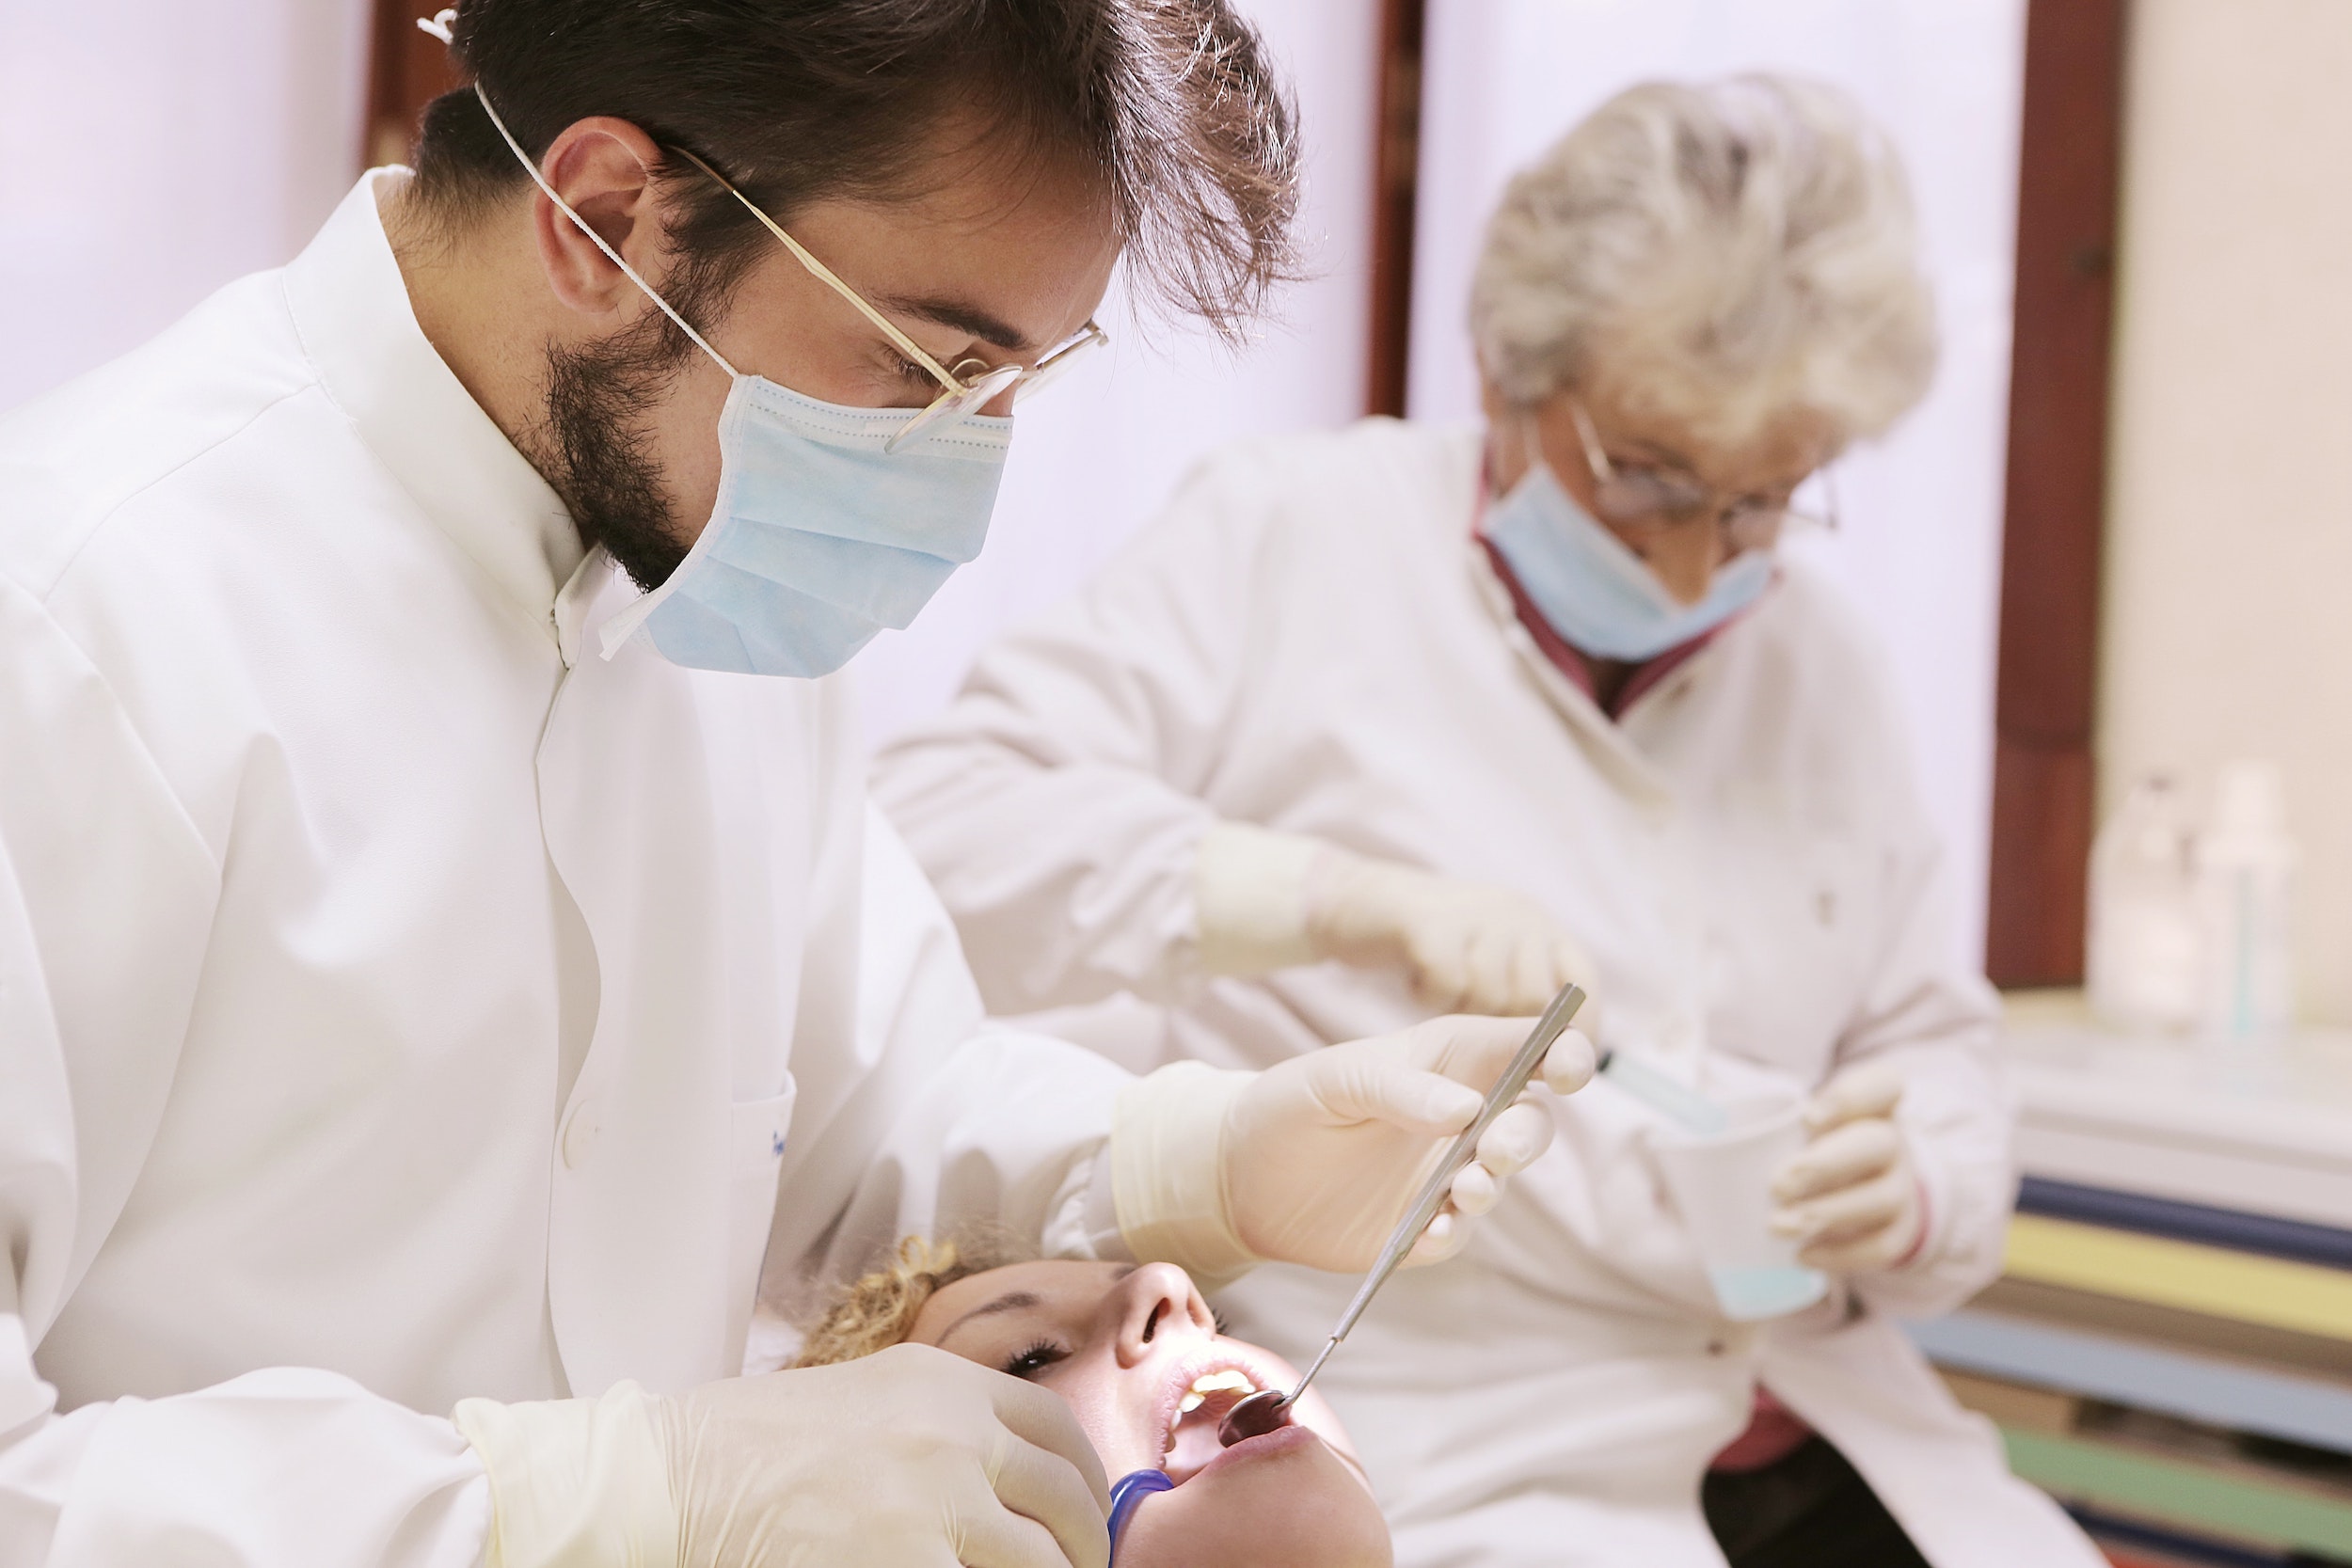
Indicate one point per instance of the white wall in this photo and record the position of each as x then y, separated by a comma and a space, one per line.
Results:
150, 152
1095, 456
2228, 619
1921, 541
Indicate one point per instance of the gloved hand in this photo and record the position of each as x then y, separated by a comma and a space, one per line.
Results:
1314, 1161
1265, 900
1467, 946
1853, 1197
913, 1458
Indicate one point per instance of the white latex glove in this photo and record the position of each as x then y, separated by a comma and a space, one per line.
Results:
1467, 946
913, 1458
1315, 1159
1853, 1197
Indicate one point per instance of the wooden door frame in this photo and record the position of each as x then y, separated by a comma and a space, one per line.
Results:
2069, 169
407, 68
1396, 177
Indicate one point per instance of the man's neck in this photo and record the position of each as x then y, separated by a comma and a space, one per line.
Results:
473, 297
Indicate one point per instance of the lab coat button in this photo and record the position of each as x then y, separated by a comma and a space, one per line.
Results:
580, 1133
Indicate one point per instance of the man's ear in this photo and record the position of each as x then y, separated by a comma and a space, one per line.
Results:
603, 168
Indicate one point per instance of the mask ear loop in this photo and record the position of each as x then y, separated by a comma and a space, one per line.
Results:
1532, 445
601, 243
623, 625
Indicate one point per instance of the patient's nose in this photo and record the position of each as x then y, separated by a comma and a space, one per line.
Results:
1156, 1299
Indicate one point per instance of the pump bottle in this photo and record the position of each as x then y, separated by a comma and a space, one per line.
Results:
2144, 957
2245, 886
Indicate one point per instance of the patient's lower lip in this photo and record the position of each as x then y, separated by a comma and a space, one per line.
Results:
1282, 1439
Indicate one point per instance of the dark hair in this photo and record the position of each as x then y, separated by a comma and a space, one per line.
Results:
1170, 104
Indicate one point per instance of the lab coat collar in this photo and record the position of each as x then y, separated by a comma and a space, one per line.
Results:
584, 601
1610, 747
1573, 663
351, 307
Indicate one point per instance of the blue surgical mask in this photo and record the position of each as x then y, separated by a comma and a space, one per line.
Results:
1597, 594
819, 537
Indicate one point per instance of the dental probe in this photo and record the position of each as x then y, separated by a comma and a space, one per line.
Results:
1262, 1411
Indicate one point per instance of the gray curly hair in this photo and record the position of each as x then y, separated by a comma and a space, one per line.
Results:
1725, 253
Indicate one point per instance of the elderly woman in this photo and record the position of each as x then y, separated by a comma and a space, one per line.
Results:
1401, 718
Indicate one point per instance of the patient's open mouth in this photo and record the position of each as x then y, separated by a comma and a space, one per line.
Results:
1202, 1395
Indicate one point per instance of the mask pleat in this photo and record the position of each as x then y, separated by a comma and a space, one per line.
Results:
780, 630
882, 582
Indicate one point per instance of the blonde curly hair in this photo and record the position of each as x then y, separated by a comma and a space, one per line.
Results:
877, 1309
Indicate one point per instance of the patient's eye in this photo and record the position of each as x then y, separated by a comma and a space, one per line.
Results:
1035, 1359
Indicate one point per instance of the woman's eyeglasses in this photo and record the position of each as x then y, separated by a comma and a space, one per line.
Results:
1644, 502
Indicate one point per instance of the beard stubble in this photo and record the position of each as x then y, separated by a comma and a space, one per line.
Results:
596, 445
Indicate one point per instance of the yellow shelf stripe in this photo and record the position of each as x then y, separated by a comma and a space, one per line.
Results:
2184, 1274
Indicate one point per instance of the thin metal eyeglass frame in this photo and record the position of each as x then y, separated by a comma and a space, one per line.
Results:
958, 396
1728, 510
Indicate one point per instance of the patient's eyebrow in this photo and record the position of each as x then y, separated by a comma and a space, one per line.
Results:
1011, 1301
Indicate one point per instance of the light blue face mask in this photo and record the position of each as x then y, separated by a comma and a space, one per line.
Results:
1595, 593
820, 537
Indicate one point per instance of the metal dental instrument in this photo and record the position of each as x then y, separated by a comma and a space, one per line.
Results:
1264, 1410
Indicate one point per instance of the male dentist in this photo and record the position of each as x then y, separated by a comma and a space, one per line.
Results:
445, 956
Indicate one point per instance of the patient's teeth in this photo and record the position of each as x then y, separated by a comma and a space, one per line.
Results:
1231, 1381
1217, 1383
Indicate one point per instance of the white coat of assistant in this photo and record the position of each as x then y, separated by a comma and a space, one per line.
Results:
400, 1002
1311, 641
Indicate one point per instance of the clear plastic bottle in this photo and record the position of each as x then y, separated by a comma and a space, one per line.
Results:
2245, 862
2144, 940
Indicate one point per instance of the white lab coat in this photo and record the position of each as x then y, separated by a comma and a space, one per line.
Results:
398, 1000
1311, 640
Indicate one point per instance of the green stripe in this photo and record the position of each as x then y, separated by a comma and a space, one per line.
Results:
2181, 1494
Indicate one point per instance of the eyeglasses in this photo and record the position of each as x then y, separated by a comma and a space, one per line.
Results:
967, 387
1645, 503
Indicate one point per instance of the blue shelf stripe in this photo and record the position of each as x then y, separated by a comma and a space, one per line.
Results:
2195, 1387
2298, 1241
